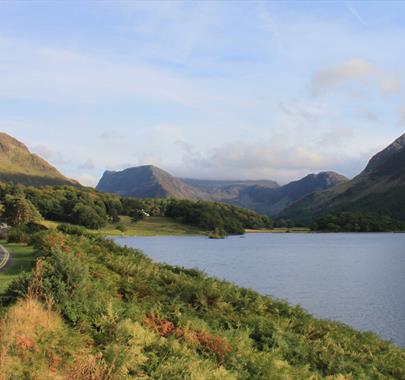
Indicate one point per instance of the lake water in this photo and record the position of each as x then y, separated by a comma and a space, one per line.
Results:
355, 278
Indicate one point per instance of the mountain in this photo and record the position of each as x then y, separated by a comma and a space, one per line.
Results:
379, 188
227, 189
263, 196
147, 181
19, 165
274, 200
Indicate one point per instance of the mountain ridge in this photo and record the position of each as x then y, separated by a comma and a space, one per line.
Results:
146, 181
274, 201
263, 196
379, 188
19, 165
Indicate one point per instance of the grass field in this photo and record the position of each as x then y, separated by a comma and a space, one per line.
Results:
150, 226
22, 260
163, 226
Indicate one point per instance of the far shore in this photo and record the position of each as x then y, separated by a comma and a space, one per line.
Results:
280, 230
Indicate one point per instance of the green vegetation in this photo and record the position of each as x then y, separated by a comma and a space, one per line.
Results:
18, 211
127, 317
19, 165
215, 216
378, 191
357, 222
22, 260
95, 210
217, 234
150, 226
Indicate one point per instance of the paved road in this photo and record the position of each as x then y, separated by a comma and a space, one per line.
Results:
4, 257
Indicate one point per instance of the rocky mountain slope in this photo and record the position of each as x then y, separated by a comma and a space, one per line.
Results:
263, 196
274, 200
19, 165
147, 181
227, 189
379, 188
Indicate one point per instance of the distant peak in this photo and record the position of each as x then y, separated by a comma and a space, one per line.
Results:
381, 158
400, 141
7, 141
327, 175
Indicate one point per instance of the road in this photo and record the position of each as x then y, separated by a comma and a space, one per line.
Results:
4, 257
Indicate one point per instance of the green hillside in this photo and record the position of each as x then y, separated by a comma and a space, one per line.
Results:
93, 310
378, 190
19, 165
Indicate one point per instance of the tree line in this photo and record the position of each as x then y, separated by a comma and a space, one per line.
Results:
89, 208
357, 222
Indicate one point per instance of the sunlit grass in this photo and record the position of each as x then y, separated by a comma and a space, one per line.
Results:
150, 226
22, 260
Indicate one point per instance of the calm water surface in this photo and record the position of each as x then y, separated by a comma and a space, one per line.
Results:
355, 278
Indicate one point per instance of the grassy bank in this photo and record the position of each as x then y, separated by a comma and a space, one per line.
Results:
164, 226
22, 260
150, 226
118, 315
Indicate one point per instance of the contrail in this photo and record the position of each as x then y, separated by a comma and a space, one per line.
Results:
352, 9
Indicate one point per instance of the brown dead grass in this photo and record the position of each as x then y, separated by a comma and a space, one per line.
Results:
25, 318
20, 332
215, 344
22, 346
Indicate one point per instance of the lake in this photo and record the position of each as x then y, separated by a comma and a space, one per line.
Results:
356, 278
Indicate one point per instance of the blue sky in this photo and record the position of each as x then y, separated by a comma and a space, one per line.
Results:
237, 90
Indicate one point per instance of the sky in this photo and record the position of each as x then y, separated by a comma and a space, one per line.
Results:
210, 89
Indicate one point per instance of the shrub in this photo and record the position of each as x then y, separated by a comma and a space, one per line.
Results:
137, 215
3, 234
17, 235
71, 229
149, 320
121, 228
33, 228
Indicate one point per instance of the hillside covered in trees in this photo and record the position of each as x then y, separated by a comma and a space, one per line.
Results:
93, 210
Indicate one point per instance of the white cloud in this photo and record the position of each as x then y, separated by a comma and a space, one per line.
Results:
336, 137
367, 115
48, 153
151, 159
358, 71
401, 120
274, 159
87, 179
87, 165
301, 109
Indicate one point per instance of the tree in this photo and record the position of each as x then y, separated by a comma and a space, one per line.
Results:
87, 216
115, 218
19, 211
137, 215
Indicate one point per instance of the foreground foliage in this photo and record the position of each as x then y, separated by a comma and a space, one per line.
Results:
147, 320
